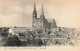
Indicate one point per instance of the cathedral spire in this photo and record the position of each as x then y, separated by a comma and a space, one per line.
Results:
42, 11
34, 7
34, 12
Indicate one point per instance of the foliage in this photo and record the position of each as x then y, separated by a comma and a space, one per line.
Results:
13, 41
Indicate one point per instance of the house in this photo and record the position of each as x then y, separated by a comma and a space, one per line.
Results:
19, 31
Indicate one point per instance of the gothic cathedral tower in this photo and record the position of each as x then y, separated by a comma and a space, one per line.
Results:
42, 13
34, 17
42, 17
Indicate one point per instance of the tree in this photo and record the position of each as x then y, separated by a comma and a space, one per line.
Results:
40, 42
13, 41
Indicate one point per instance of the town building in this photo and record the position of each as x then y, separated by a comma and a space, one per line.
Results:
18, 31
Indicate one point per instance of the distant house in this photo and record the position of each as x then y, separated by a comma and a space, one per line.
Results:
20, 31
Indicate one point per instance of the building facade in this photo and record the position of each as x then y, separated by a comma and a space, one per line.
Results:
42, 22
18, 30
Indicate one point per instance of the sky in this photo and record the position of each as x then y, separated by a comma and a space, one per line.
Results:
19, 12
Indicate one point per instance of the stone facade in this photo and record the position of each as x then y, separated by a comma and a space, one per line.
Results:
42, 22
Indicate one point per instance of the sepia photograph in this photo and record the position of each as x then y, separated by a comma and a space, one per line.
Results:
40, 24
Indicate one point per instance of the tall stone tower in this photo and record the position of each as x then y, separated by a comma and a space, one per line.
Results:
34, 15
42, 17
42, 13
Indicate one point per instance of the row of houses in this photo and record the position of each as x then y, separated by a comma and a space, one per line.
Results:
56, 35
13, 30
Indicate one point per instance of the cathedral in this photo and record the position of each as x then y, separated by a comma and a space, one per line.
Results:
41, 22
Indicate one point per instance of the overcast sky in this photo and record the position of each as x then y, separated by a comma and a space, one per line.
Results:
19, 12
